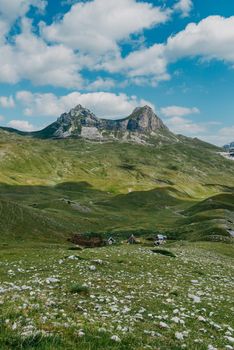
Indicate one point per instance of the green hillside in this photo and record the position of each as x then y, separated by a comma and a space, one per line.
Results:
53, 188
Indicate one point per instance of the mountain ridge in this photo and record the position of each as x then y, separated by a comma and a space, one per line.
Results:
81, 122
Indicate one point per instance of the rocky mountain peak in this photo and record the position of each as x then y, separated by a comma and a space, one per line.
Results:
143, 109
143, 119
77, 116
79, 107
81, 122
80, 112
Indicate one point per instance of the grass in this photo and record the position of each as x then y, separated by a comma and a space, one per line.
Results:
50, 189
151, 302
79, 289
52, 213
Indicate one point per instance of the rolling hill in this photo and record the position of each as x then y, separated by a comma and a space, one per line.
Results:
129, 175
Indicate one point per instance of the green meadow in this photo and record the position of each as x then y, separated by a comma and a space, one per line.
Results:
118, 297
124, 296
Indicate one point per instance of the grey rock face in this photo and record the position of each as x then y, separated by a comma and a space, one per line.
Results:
143, 119
230, 148
80, 122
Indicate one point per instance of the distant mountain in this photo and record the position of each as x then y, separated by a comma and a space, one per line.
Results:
81, 122
229, 148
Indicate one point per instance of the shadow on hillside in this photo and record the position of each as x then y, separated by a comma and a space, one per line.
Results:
60, 210
85, 191
81, 205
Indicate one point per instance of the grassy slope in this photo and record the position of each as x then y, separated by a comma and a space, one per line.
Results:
39, 177
141, 297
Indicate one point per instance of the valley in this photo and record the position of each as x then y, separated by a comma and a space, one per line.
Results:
55, 295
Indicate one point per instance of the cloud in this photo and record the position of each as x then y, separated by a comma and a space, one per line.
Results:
32, 59
176, 121
21, 125
180, 125
7, 102
103, 104
147, 63
12, 10
184, 6
90, 37
87, 36
211, 38
2, 118
3, 30
178, 111
98, 26
220, 137
101, 84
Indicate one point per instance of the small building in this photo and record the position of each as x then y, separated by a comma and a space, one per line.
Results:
111, 241
160, 239
132, 239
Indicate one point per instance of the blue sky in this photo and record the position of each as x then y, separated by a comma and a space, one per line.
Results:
111, 56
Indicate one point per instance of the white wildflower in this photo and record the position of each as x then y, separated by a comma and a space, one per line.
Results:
195, 298
211, 347
179, 336
201, 318
116, 338
231, 339
92, 268
52, 280
163, 325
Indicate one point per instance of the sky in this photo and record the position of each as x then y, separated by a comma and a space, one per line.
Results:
176, 56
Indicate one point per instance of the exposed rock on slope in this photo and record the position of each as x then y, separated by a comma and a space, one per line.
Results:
229, 148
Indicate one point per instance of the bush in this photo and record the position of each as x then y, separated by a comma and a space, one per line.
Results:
79, 289
164, 252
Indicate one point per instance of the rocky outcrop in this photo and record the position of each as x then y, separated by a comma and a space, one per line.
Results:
80, 122
230, 149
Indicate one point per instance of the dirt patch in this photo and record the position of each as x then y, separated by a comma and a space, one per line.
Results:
87, 242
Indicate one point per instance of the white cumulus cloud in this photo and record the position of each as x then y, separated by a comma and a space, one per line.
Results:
103, 104
12, 10
180, 125
211, 38
29, 57
98, 26
221, 137
178, 111
23, 125
90, 37
149, 63
176, 121
184, 6
7, 102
